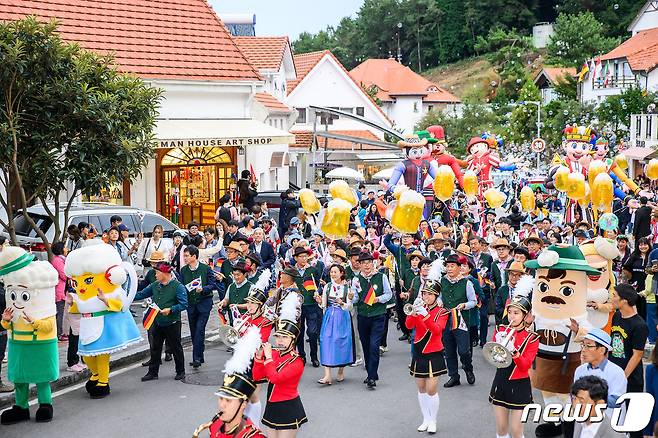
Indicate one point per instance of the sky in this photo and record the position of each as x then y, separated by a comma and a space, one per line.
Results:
290, 17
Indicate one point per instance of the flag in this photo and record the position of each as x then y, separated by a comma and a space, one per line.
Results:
253, 174
597, 70
193, 285
222, 317
427, 233
309, 285
456, 320
370, 296
607, 74
583, 72
149, 316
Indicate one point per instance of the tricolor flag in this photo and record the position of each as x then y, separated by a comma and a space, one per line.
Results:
370, 296
607, 74
456, 320
309, 285
149, 315
222, 317
583, 72
597, 70
427, 233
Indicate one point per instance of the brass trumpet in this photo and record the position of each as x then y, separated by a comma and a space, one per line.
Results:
499, 354
408, 309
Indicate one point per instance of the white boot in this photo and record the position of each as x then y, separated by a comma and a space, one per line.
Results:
254, 412
433, 411
422, 401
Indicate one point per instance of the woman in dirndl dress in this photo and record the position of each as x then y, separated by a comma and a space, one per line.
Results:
511, 390
428, 318
337, 333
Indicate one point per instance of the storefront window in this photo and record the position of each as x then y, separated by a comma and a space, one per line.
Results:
112, 195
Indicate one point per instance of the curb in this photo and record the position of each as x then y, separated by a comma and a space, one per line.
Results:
69, 379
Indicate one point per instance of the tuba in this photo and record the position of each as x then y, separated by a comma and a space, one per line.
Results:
229, 334
499, 354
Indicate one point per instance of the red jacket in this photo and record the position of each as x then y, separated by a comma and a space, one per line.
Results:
264, 324
245, 430
434, 323
527, 343
282, 372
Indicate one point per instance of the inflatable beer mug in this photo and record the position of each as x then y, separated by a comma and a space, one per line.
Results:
339, 189
408, 212
470, 184
561, 176
575, 186
527, 199
309, 202
494, 197
336, 219
444, 183
651, 169
587, 199
398, 191
595, 168
602, 192
622, 161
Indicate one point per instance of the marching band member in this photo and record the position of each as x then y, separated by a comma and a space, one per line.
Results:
237, 388
511, 389
283, 368
428, 318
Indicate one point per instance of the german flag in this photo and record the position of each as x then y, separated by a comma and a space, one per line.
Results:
454, 319
370, 296
309, 285
149, 316
427, 233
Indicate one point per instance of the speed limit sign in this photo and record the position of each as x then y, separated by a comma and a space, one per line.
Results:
538, 145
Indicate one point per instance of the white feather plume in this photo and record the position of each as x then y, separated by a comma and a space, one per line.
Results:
525, 285
263, 280
436, 270
243, 352
290, 308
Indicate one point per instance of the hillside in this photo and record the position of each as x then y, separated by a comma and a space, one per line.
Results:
463, 77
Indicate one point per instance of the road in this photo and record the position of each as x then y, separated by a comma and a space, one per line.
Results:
166, 408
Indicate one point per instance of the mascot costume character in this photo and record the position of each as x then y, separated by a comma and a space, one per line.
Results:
483, 156
415, 169
97, 274
599, 152
559, 305
599, 254
32, 331
441, 155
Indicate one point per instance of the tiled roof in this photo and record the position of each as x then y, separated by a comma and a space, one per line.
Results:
264, 53
394, 79
641, 50
272, 103
163, 39
303, 139
553, 74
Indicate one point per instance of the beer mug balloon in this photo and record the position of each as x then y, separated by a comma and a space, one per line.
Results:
561, 176
595, 168
622, 161
408, 212
527, 199
444, 183
336, 219
339, 189
309, 202
651, 169
587, 199
470, 184
494, 197
602, 192
575, 186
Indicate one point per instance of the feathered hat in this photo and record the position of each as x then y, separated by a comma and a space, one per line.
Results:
237, 383
258, 293
433, 281
287, 323
494, 141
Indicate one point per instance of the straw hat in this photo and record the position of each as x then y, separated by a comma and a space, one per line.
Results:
156, 256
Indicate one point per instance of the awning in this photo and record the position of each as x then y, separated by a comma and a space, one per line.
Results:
176, 133
637, 153
379, 157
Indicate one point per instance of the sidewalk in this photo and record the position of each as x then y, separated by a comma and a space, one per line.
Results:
135, 353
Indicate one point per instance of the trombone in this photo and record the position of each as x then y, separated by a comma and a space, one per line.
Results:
499, 354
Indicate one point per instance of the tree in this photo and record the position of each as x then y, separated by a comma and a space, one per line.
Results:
560, 113
566, 87
615, 15
614, 112
68, 122
576, 39
523, 117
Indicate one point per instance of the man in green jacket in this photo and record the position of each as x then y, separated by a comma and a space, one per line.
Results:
171, 297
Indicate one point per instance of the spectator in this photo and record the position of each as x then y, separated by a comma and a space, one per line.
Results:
226, 211
115, 221
247, 189
304, 227
75, 239
287, 211
248, 225
176, 253
60, 290
642, 221
587, 392
624, 255
193, 236
264, 249
652, 388
115, 240
154, 243
635, 270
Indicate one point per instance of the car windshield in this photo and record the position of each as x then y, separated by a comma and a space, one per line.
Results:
23, 227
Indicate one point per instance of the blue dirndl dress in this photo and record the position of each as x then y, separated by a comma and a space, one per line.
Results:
337, 333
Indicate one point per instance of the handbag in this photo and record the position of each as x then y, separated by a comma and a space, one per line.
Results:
146, 263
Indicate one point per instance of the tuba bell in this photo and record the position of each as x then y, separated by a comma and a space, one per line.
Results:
499, 354
228, 335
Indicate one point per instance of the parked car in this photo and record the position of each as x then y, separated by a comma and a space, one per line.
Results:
273, 198
97, 214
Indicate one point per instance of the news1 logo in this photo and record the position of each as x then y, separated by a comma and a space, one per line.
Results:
631, 414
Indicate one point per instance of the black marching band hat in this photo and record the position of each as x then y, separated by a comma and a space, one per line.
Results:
433, 281
287, 323
237, 384
258, 293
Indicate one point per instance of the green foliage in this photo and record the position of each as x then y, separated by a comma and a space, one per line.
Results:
566, 88
68, 119
557, 115
523, 118
616, 15
577, 38
614, 112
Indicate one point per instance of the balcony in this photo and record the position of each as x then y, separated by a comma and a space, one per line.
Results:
615, 82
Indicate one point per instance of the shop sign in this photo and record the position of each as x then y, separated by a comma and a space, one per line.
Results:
215, 142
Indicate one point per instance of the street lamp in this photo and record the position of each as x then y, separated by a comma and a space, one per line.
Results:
399, 51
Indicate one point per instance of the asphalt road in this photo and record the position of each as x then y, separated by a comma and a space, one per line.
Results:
166, 408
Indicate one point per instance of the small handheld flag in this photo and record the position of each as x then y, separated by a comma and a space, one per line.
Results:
149, 316
370, 296
193, 285
309, 285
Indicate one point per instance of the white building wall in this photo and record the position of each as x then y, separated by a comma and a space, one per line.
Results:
648, 20
541, 34
406, 112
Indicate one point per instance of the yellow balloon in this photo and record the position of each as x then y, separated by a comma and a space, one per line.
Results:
622, 161
576, 186
336, 219
602, 192
595, 168
587, 199
494, 197
561, 178
339, 189
527, 199
444, 183
408, 212
470, 184
309, 202
651, 169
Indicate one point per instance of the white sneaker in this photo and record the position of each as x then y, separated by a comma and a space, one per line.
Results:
358, 362
431, 427
422, 427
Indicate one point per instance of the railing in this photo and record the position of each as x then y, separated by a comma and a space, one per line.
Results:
615, 82
643, 129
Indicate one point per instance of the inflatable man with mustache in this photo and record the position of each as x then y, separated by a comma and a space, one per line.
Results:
559, 305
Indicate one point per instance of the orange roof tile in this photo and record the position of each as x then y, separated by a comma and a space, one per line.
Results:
304, 139
394, 79
641, 50
555, 73
160, 39
272, 103
264, 53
